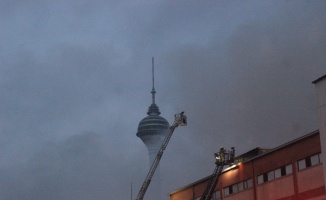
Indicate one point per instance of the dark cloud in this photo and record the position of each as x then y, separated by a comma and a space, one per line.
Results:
75, 80
64, 170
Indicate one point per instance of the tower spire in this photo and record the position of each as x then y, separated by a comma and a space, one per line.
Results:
153, 109
153, 89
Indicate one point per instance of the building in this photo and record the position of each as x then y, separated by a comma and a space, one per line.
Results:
292, 171
152, 130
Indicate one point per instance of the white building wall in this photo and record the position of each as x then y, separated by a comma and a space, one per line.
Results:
321, 109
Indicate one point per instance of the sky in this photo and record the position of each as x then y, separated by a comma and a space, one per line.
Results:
75, 81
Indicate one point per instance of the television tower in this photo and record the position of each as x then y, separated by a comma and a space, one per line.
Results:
152, 130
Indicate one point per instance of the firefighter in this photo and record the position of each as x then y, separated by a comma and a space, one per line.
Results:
222, 155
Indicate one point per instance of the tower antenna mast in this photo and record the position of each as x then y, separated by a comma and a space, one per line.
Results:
153, 89
153, 70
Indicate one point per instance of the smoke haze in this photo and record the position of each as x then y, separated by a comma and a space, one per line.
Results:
75, 80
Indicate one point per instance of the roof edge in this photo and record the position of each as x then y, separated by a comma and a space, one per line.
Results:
285, 145
319, 79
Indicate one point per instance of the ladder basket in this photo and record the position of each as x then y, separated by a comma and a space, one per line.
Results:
181, 119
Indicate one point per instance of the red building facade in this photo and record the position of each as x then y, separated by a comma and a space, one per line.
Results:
292, 171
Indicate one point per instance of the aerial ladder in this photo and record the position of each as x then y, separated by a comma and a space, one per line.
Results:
223, 157
179, 120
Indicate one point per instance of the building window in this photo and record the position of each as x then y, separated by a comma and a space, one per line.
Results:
226, 191
216, 195
245, 185
302, 164
309, 161
238, 187
315, 159
249, 183
265, 176
235, 188
260, 179
277, 173
241, 186
288, 170
270, 175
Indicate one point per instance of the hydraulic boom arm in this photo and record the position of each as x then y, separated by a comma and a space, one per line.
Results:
180, 120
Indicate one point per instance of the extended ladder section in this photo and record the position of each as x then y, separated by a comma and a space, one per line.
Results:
222, 158
179, 120
212, 183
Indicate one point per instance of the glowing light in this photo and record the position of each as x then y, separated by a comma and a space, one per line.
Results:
233, 166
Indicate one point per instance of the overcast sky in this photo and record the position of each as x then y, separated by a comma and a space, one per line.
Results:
75, 80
